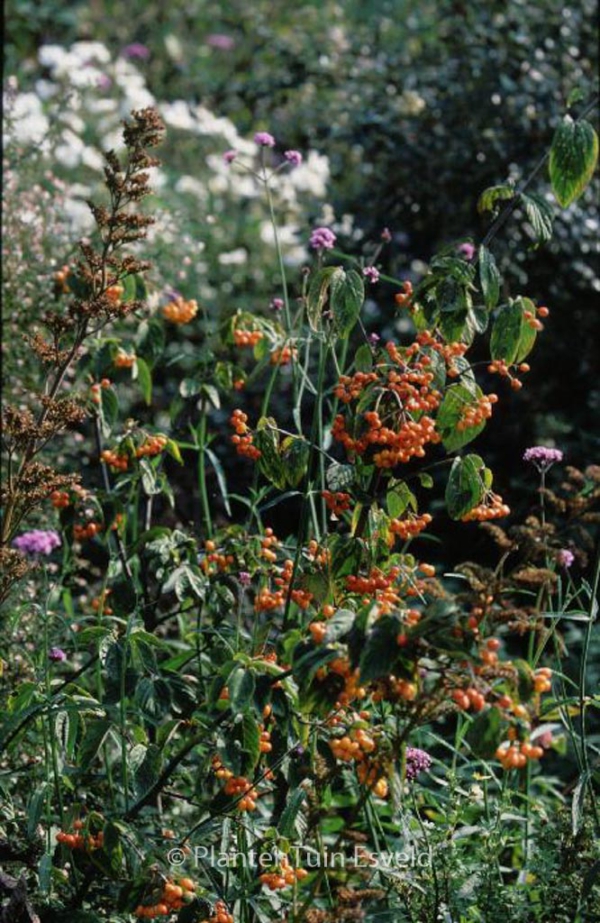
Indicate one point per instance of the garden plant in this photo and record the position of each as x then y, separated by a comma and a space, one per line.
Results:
239, 682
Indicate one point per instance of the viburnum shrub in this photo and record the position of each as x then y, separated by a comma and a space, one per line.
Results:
243, 725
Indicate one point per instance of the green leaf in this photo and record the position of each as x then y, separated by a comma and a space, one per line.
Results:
93, 739
294, 453
287, 821
220, 478
146, 773
318, 292
465, 488
241, 687
380, 651
190, 387
457, 399
109, 409
184, 579
267, 440
339, 625
398, 499
347, 297
144, 376
489, 277
489, 198
483, 735
573, 158
506, 333
528, 333
539, 215
35, 808
340, 477
363, 360
173, 449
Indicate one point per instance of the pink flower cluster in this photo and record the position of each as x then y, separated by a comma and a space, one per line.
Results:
542, 456
416, 761
38, 541
322, 239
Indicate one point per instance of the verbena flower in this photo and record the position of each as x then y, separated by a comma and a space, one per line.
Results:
386, 235
373, 339
136, 50
542, 457
56, 654
244, 578
220, 41
565, 558
229, 156
264, 139
293, 157
371, 273
416, 761
38, 541
467, 250
322, 239
276, 304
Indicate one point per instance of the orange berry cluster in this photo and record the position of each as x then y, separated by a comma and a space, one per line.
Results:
370, 776
492, 507
79, 840
95, 390
352, 688
235, 786
403, 298
284, 876
174, 896
476, 413
268, 542
242, 439
115, 460
114, 293
89, 530
220, 914
124, 360
283, 356
532, 320
60, 499
353, 747
60, 280
448, 351
516, 755
469, 699
99, 603
392, 689
409, 527
247, 337
180, 311
215, 561
541, 682
338, 502
152, 445
318, 631
499, 367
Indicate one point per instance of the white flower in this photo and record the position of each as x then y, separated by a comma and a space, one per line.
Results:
28, 122
234, 257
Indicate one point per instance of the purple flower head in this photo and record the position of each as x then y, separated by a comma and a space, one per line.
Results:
104, 82
386, 235
136, 50
264, 139
38, 541
293, 157
542, 457
373, 339
220, 41
322, 239
229, 156
56, 654
467, 250
371, 273
244, 578
276, 304
416, 761
565, 558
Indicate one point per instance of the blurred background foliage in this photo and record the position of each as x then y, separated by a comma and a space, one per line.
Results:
419, 106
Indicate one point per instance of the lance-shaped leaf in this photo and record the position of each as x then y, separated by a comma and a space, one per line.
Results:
513, 334
318, 293
466, 485
267, 440
539, 215
489, 198
489, 277
347, 296
573, 158
295, 452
